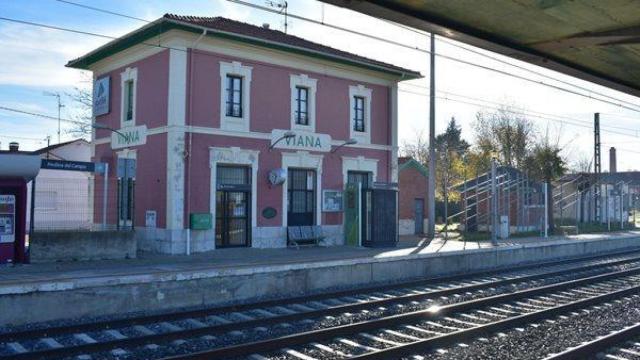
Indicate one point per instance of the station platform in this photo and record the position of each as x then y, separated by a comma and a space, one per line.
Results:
150, 283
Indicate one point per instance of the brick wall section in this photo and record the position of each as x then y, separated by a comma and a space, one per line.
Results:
412, 185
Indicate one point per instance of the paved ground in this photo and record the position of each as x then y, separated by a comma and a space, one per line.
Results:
242, 257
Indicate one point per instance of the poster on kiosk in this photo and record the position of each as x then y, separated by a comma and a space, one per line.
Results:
7, 218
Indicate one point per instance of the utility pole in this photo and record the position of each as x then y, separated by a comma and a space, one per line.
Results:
60, 106
431, 191
494, 205
597, 166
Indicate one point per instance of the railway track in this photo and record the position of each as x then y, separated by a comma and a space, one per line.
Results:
226, 328
623, 344
421, 331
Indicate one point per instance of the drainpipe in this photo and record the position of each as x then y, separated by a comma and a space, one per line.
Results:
188, 123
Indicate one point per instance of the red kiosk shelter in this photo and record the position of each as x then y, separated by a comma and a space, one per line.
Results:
17, 168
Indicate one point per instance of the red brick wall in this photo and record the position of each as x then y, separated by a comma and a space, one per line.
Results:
412, 185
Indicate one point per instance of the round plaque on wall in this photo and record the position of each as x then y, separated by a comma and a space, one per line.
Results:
269, 212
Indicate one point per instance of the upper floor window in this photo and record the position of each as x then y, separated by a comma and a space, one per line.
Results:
235, 88
128, 91
358, 114
234, 96
303, 102
302, 105
128, 84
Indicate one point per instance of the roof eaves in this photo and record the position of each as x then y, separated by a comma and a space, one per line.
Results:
156, 28
405, 75
129, 39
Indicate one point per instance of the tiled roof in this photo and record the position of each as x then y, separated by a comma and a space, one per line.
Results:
237, 31
55, 146
276, 36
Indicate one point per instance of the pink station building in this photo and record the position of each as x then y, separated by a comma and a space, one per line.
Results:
243, 124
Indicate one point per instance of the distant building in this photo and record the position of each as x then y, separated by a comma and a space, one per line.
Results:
412, 188
62, 199
617, 194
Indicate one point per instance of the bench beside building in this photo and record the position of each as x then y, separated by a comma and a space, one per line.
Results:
202, 99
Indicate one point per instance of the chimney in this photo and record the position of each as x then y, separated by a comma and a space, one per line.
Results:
613, 166
13, 146
265, 25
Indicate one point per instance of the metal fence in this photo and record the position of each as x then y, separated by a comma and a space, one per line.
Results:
74, 201
505, 201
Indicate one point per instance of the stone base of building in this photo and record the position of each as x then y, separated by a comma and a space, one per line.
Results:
408, 226
156, 240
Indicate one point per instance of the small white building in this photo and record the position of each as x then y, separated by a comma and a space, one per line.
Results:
62, 199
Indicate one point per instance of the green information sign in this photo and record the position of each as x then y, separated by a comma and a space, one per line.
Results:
200, 221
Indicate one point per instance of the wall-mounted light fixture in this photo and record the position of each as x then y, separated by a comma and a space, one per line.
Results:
105, 127
351, 141
286, 135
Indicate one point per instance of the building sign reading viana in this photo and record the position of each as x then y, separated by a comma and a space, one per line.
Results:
302, 141
127, 137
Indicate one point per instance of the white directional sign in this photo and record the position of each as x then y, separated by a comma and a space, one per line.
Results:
127, 137
302, 141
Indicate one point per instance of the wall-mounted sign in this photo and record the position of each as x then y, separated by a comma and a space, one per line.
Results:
302, 141
269, 212
150, 218
127, 137
332, 200
200, 221
71, 165
7, 218
101, 89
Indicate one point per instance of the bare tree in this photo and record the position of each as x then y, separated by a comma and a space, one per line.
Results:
507, 133
582, 164
81, 100
418, 148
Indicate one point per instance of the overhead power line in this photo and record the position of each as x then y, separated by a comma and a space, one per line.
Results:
559, 117
517, 66
40, 115
584, 125
619, 102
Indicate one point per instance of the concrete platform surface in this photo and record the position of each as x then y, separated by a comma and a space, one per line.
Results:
158, 282
228, 260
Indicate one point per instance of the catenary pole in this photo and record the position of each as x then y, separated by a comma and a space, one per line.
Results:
494, 205
431, 191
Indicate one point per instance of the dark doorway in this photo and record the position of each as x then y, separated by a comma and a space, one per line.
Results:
301, 199
233, 206
419, 216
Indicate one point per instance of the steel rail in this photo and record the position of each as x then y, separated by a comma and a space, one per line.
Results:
471, 333
220, 328
198, 313
420, 315
591, 348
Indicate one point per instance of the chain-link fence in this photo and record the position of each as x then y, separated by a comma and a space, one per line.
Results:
72, 201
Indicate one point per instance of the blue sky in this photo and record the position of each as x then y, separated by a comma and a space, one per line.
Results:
33, 59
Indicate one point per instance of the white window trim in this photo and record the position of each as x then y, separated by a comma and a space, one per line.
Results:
302, 160
233, 156
127, 75
359, 163
231, 122
365, 136
305, 81
126, 154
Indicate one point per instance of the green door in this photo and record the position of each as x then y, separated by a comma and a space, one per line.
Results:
352, 224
